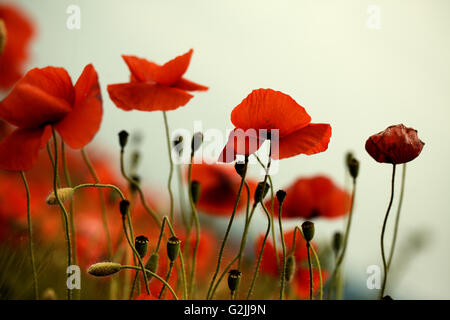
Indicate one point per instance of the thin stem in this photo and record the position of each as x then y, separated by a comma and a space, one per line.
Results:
283, 244
397, 218
227, 232
169, 181
30, 236
308, 245
225, 271
319, 269
197, 229
383, 230
156, 276
181, 196
248, 219
61, 205
169, 272
99, 185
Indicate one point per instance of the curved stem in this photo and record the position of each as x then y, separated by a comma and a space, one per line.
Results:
246, 226
319, 269
383, 230
308, 245
283, 245
99, 185
228, 267
30, 236
169, 181
169, 272
197, 229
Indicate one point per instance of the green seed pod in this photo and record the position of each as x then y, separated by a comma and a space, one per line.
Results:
337, 242
173, 248
290, 267
234, 277
308, 230
261, 191
123, 138
103, 269
64, 194
141, 245
196, 142
195, 190
124, 205
281, 195
152, 263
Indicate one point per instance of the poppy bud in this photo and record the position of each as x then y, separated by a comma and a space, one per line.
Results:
241, 168
195, 190
353, 167
103, 269
281, 195
64, 194
197, 141
337, 242
2, 36
141, 245
49, 294
290, 267
173, 248
261, 191
308, 230
234, 277
123, 138
124, 205
152, 263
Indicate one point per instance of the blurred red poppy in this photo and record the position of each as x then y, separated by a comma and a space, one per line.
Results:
146, 296
19, 32
43, 98
219, 187
266, 109
314, 197
154, 87
397, 144
301, 282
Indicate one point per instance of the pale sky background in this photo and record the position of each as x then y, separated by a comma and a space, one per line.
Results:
321, 52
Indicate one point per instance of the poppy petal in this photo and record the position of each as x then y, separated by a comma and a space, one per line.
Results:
42, 96
141, 69
147, 97
79, 127
20, 149
172, 71
188, 85
270, 109
313, 138
240, 142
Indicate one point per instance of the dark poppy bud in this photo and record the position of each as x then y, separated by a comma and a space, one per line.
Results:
353, 167
123, 138
308, 230
240, 168
195, 190
197, 141
141, 245
2, 36
124, 205
337, 242
234, 277
261, 191
152, 263
290, 268
281, 195
173, 248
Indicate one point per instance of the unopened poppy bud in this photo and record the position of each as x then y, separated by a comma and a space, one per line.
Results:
290, 268
240, 168
281, 195
123, 138
2, 36
337, 242
152, 263
195, 190
308, 230
124, 205
173, 248
353, 167
261, 191
197, 141
234, 277
64, 194
49, 294
103, 269
141, 245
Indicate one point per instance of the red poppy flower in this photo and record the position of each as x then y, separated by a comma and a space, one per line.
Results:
19, 31
264, 110
219, 187
154, 87
397, 144
43, 98
314, 197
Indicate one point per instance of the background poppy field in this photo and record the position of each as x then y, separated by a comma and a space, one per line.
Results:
358, 75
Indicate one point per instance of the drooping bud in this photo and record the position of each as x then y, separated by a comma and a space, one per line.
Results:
141, 245
173, 248
337, 242
197, 140
103, 269
124, 205
353, 167
3, 36
290, 267
195, 190
123, 138
261, 191
234, 277
281, 195
64, 194
308, 230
